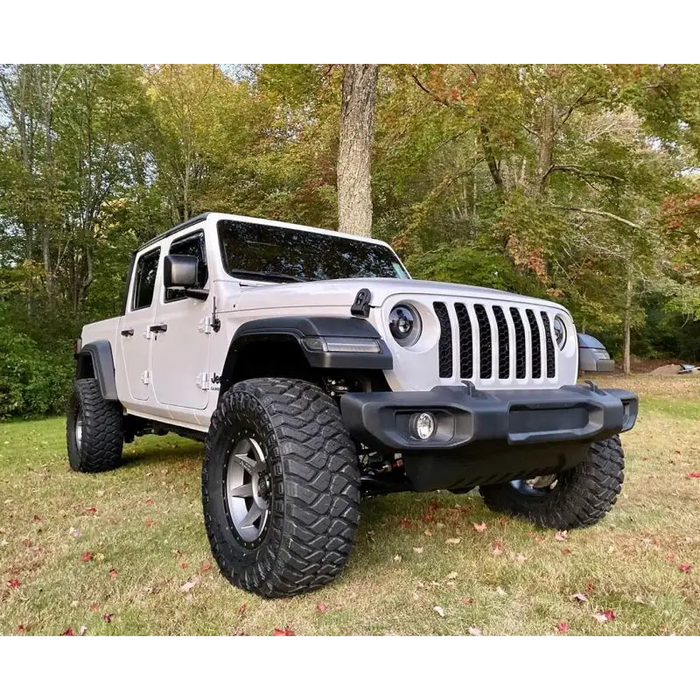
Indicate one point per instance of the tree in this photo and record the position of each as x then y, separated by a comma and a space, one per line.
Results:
355, 148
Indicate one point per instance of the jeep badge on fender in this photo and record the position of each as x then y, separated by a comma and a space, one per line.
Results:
316, 370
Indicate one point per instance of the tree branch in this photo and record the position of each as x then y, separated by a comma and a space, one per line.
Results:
606, 214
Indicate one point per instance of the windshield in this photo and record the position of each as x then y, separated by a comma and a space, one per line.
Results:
263, 251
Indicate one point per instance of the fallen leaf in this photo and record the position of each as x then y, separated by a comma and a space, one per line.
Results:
605, 616
74, 604
405, 523
14, 583
497, 548
433, 506
149, 523
206, 566
185, 588
428, 517
590, 585
694, 475
418, 550
22, 628
453, 540
82, 631
580, 597
149, 501
37, 518
520, 558
397, 557
113, 573
91, 510
428, 533
108, 617
440, 611
467, 601
451, 575
479, 527
184, 564
685, 568
439, 526
75, 532
242, 609
563, 627
86, 557
475, 632
286, 632
94, 606
68, 632
504, 521
561, 535
500, 591
565, 550
322, 607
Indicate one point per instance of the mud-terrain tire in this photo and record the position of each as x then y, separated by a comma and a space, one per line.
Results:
580, 497
94, 429
304, 463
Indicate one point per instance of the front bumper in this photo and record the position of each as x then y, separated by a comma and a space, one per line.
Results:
466, 415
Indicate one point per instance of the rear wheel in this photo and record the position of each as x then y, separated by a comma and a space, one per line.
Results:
280, 487
94, 429
578, 497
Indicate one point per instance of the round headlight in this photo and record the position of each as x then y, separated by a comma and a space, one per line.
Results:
560, 332
405, 324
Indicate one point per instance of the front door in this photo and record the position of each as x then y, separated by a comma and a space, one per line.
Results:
180, 349
134, 326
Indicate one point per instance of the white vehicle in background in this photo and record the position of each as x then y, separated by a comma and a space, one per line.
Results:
316, 370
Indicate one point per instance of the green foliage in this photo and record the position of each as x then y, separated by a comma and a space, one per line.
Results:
32, 381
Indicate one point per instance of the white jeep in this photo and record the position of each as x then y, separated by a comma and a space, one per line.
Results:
316, 370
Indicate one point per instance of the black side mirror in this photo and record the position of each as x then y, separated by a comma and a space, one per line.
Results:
180, 271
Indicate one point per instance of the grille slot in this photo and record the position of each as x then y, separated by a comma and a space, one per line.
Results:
466, 348
536, 346
485, 368
520, 344
503, 343
445, 344
549, 345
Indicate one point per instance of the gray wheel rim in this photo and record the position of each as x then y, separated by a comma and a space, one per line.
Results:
248, 489
539, 486
79, 429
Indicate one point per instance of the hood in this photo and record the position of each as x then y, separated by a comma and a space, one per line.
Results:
342, 293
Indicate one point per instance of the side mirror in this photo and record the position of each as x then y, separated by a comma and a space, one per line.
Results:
180, 271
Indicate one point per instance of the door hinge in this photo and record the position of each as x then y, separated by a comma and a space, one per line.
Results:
203, 381
146, 376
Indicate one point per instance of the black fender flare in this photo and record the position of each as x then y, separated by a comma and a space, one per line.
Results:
100, 353
296, 328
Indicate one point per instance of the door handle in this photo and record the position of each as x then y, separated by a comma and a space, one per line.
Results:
128, 331
159, 328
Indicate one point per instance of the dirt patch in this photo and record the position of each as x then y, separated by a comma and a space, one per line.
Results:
671, 370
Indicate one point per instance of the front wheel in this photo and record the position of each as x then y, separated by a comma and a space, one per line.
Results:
280, 487
578, 497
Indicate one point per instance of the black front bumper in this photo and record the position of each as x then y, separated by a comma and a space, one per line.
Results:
486, 437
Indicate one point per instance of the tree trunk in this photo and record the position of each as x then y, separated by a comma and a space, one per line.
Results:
626, 360
355, 150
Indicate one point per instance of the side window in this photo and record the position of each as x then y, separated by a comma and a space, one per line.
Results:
192, 244
145, 282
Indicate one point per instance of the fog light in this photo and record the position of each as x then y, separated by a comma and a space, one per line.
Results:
423, 425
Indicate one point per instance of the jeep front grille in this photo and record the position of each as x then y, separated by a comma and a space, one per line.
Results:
494, 342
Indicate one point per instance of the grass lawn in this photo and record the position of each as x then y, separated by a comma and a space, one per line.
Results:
420, 566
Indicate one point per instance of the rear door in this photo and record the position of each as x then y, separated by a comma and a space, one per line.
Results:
180, 351
134, 333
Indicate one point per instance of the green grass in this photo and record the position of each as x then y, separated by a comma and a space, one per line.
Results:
148, 530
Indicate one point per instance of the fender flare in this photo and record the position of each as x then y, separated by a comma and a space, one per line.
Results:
100, 353
296, 328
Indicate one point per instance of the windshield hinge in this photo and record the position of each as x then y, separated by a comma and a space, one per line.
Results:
360, 307
210, 323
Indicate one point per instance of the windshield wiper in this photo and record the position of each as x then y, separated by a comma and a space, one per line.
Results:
266, 275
